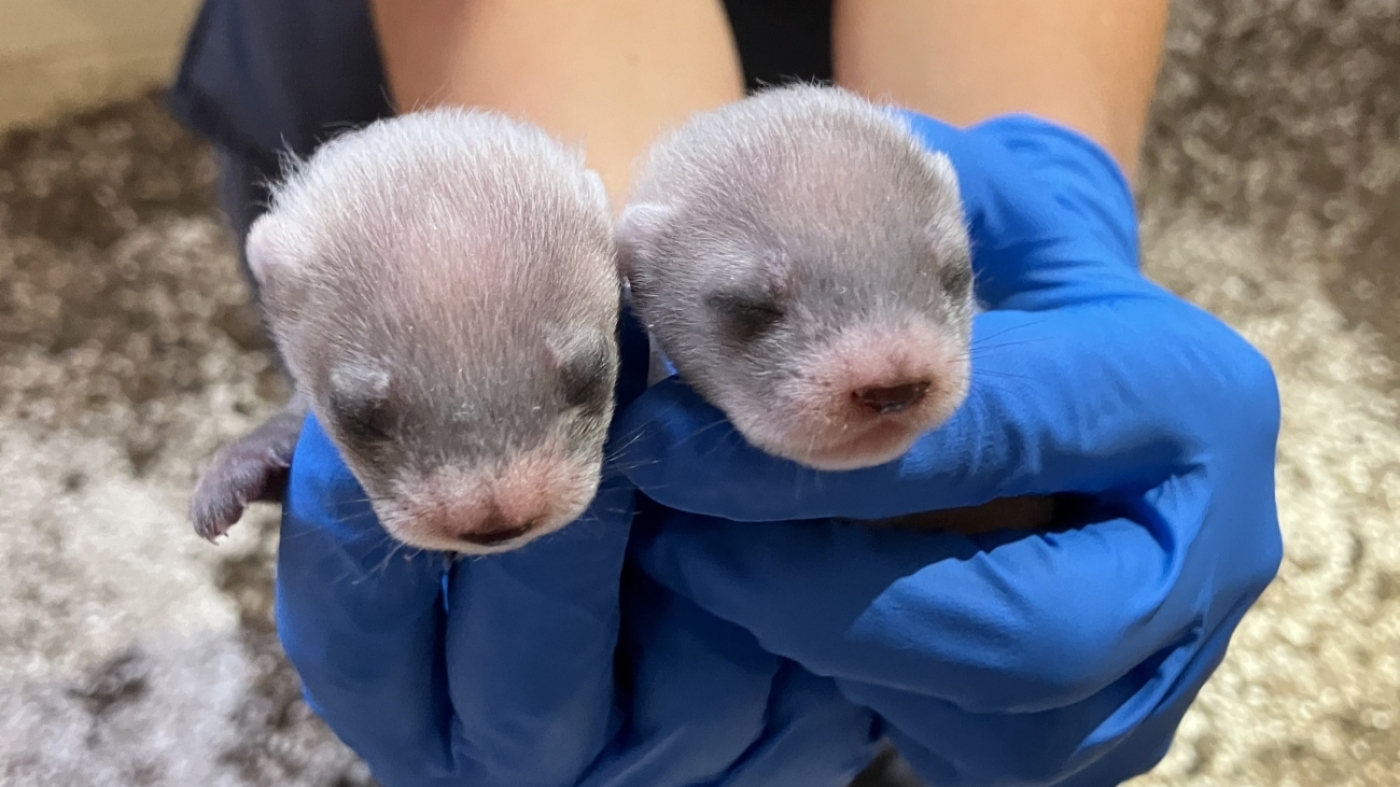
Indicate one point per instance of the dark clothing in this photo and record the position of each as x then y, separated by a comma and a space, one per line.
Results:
264, 76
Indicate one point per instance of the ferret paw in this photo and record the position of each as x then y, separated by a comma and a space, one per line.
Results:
254, 468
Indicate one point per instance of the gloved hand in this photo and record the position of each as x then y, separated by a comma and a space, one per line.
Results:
1013, 658
495, 670
516, 670
489, 671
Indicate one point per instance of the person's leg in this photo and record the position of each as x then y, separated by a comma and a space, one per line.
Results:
1086, 64
606, 74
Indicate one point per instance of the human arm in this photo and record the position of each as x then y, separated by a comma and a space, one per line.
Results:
609, 75
1084, 64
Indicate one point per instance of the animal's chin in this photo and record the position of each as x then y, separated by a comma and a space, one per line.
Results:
442, 525
407, 537
800, 440
407, 529
879, 445
869, 450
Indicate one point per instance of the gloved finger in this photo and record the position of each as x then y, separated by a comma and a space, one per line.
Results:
711, 708
814, 736
359, 619
1116, 734
1085, 399
696, 695
706, 705
951, 746
530, 641
1008, 623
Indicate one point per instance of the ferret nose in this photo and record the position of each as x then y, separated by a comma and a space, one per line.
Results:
497, 529
893, 399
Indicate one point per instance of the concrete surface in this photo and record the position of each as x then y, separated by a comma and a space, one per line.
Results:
57, 55
133, 654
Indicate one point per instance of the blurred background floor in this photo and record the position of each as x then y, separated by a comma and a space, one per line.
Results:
131, 653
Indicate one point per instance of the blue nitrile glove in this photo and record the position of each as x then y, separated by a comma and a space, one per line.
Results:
1010, 659
499, 671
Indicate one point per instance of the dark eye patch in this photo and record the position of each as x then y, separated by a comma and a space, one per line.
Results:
746, 316
584, 379
956, 278
362, 409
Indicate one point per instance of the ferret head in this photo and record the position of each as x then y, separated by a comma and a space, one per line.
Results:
803, 262
443, 285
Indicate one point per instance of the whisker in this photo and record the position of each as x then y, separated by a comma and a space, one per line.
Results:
383, 566
1012, 329
623, 468
982, 347
1009, 375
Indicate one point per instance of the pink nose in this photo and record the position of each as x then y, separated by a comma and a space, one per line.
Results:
892, 399
496, 529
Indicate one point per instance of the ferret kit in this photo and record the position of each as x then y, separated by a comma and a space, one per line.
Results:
443, 289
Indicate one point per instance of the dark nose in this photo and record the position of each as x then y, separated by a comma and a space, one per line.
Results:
895, 399
496, 530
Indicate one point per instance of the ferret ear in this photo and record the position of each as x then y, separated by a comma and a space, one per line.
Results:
363, 378
638, 235
598, 190
943, 169
949, 224
269, 249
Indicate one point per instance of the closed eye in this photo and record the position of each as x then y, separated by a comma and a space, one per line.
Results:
585, 381
956, 278
746, 316
363, 422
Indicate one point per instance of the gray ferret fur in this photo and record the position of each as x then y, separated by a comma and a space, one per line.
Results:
443, 288
791, 250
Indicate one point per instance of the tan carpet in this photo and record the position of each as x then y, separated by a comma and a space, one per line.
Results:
131, 653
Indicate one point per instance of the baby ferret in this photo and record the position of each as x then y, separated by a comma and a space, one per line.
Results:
803, 261
443, 289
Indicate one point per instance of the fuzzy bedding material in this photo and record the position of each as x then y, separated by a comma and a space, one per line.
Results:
132, 653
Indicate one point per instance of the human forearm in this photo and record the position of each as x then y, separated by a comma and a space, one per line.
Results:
1087, 64
607, 74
